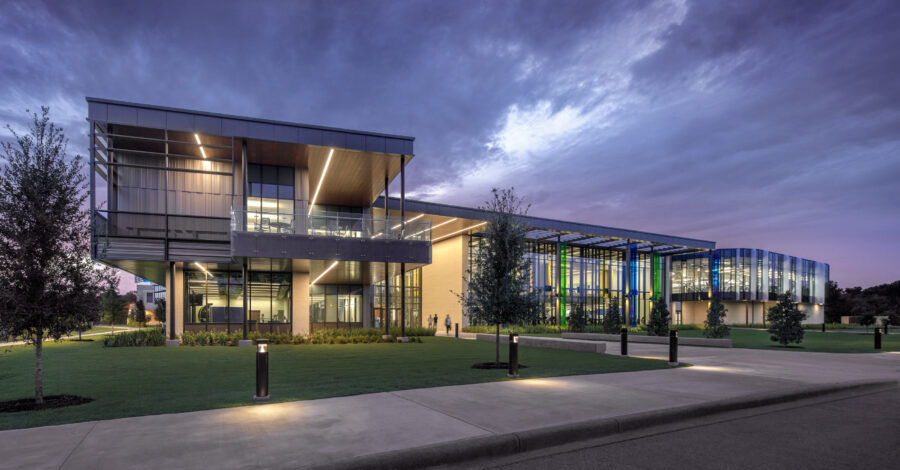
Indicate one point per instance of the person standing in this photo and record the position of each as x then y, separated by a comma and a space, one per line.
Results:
435, 321
447, 324
430, 321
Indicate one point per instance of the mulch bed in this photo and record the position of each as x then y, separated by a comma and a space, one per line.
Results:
52, 401
494, 365
83, 339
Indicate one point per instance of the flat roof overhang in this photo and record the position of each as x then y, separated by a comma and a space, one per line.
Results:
361, 160
574, 233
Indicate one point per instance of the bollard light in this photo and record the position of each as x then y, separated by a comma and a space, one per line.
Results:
513, 356
823, 327
624, 341
878, 338
457, 330
262, 370
673, 347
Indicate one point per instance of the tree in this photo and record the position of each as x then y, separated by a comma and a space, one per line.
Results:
50, 285
111, 303
612, 322
160, 313
785, 321
658, 325
140, 312
836, 304
714, 326
578, 319
497, 282
867, 320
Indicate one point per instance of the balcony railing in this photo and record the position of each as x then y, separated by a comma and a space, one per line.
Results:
333, 224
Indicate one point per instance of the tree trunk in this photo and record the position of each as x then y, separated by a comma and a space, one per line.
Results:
39, 370
497, 347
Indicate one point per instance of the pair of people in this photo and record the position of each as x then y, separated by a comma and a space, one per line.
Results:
433, 323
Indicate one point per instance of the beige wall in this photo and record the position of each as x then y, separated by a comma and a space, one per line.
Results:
179, 297
738, 312
300, 301
444, 277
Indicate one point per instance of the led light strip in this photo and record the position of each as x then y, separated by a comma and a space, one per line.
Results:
323, 273
197, 136
458, 231
321, 179
432, 228
395, 227
202, 268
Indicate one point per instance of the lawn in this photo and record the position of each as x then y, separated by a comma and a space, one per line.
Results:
141, 381
813, 341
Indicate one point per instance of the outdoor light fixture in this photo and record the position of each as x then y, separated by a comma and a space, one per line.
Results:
513, 372
321, 179
323, 273
673, 347
459, 231
878, 339
262, 370
395, 227
432, 228
624, 341
197, 136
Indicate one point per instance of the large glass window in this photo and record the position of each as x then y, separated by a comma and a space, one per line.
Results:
270, 297
335, 306
208, 295
217, 297
270, 204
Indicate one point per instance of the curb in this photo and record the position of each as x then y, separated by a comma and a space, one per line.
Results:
500, 445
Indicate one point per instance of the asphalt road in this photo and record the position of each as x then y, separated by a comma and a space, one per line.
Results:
853, 432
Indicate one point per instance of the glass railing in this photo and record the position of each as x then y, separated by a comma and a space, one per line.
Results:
332, 224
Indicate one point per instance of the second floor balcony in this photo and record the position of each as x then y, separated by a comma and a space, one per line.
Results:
332, 224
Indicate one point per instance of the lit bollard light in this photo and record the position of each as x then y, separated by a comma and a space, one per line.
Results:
457, 330
513, 356
878, 338
262, 370
673, 347
624, 341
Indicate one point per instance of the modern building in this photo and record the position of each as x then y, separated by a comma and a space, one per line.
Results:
253, 224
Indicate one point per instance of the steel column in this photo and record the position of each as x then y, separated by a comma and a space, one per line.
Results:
387, 274
244, 274
402, 235
246, 188
92, 195
172, 300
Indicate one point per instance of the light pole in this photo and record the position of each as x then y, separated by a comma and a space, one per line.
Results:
513, 356
262, 370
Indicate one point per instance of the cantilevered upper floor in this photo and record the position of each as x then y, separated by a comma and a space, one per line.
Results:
179, 185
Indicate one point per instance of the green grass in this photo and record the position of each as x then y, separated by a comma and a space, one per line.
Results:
813, 341
152, 380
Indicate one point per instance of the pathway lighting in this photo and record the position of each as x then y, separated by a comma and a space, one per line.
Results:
878, 339
624, 341
513, 356
262, 370
673, 347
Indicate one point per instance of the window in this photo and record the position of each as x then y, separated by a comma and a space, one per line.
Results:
218, 297
270, 204
335, 306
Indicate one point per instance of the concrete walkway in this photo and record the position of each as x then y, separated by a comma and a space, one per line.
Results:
321, 432
118, 330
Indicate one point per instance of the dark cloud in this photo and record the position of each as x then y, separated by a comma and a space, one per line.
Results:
759, 124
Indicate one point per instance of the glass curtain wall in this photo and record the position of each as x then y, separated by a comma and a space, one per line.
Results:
413, 301
270, 204
335, 306
214, 299
591, 277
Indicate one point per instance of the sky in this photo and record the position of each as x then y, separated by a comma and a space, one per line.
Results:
757, 124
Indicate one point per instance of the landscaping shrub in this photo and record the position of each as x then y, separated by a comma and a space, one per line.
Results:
532, 329
330, 336
152, 337
658, 325
578, 319
612, 322
714, 326
785, 321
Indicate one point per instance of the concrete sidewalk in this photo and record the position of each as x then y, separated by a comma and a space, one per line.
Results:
121, 330
322, 432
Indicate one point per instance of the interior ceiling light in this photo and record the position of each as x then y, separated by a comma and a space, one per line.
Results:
321, 179
323, 273
432, 228
201, 268
202, 152
458, 231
